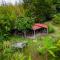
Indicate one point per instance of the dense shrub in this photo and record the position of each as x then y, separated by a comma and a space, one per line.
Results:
10, 18
47, 48
24, 23
56, 19
50, 28
7, 17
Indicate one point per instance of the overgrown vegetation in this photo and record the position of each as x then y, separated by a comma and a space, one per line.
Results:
56, 19
21, 17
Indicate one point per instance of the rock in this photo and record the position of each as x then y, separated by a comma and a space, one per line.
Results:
19, 45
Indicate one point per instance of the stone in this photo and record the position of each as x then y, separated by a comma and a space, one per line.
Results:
19, 45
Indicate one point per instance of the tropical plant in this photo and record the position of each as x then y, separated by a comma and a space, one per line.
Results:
47, 47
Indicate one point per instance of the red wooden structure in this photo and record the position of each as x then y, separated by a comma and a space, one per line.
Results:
38, 26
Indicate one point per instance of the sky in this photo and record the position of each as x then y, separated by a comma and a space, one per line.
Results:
11, 1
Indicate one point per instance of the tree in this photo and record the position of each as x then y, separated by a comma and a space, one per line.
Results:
24, 23
8, 16
40, 7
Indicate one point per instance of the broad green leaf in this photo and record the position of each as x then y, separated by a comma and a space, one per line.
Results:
52, 53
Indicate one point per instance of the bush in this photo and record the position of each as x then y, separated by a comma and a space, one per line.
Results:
23, 23
47, 47
56, 19
7, 17
50, 28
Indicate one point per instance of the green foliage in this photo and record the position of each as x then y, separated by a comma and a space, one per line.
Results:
56, 19
45, 43
18, 56
24, 23
29, 57
50, 28
47, 46
7, 17
16, 17
58, 43
40, 7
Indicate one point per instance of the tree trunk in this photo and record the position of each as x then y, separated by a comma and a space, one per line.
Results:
25, 34
47, 30
34, 33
